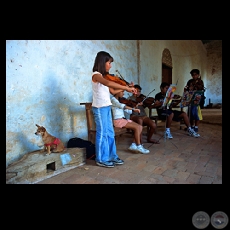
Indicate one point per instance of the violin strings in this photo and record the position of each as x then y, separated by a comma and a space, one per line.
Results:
120, 75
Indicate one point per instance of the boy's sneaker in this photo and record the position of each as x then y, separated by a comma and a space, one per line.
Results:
195, 129
168, 135
141, 149
197, 134
118, 161
192, 133
133, 147
107, 164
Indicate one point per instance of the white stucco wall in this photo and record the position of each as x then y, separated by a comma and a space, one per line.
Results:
214, 72
186, 55
46, 80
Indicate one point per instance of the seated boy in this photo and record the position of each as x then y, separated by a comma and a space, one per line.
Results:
142, 118
170, 115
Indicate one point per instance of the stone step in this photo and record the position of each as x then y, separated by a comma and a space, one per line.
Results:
36, 166
211, 111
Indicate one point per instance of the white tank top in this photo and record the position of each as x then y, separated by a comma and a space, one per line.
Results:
101, 94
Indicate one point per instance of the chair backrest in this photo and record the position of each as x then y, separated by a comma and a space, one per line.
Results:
89, 115
92, 126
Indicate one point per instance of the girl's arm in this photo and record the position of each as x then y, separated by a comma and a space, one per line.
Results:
111, 84
130, 108
114, 91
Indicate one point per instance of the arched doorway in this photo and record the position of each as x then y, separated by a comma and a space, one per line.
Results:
166, 66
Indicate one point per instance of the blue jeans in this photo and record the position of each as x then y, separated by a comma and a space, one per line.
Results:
105, 145
194, 113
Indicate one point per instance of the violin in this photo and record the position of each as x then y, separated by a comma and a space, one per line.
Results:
128, 102
119, 80
116, 79
193, 84
175, 100
129, 84
147, 101
176, 97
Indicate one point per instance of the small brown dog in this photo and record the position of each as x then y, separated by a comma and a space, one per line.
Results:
51, 143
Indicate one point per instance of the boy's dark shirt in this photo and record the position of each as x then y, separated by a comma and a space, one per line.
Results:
160, 97
162, 112
142, 110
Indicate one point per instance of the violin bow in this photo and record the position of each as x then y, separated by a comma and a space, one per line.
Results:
122, 78
120, 74
148, 95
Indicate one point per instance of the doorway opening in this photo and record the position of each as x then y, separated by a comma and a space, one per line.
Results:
166, 66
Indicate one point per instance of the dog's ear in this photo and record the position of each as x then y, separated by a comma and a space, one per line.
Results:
37, 125
42, 129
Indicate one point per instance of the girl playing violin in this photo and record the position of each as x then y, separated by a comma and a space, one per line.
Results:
106, 152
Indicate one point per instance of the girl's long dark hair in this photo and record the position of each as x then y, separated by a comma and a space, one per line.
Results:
100, 60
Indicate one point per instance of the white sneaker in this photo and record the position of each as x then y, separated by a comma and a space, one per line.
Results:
192, 133
168, 135
196, 130
198, 135
141, 149
133, 147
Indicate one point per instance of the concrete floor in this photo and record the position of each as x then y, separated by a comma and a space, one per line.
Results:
181, 160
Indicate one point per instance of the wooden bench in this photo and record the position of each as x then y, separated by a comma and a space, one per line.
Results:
91, 124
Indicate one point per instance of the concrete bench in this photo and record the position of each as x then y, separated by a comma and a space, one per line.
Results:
36, 166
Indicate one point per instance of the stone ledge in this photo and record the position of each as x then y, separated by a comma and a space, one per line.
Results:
36, 166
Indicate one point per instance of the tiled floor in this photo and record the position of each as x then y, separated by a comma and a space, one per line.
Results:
181, 160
